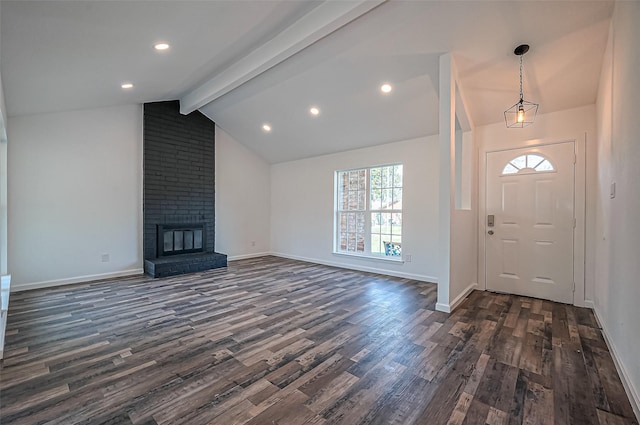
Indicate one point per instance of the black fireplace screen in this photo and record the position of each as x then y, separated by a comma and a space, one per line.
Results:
176, 239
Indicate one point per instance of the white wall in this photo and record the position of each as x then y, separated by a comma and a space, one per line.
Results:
4, 278
3, 109
302, 202
464, 228
3, 202
457, 242
243, 192
464, 231
572, 124
617, 291
3, 179
446, 184
75, 194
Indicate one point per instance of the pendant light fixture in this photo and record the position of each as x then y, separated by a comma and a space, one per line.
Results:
522, 113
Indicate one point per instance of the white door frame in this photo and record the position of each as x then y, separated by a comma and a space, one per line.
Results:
579, 210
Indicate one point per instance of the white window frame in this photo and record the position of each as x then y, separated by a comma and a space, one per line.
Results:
368, 211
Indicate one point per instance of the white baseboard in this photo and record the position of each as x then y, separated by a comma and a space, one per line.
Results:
448, 308
414, 276
632, 392
3, 328
5, 287
589, 304
464, 294
77, 279
245, 256
445, 308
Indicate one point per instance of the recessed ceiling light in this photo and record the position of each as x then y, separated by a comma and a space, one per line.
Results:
386, 88
314, 111
127, 86
266, 128
161, 46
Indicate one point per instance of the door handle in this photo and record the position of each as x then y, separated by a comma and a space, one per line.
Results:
490, 232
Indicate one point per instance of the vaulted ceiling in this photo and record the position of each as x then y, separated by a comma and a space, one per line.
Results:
246, 63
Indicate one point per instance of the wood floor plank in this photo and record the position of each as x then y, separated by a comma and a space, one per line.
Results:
496, 417
270, 340
573, 400
477, 413
460, 410
607, 418
538, 405
611, 383
356, 403
329, 394
405, 402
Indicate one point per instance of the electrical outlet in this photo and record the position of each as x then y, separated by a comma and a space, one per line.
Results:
253, 243
407, 258
105, 258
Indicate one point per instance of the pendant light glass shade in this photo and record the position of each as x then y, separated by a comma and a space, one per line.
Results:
523, 113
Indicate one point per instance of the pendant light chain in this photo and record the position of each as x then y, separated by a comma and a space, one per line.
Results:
521, 95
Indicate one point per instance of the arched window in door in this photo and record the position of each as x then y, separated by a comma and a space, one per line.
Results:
529, 163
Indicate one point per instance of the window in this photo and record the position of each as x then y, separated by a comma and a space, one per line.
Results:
368, 217
530, 163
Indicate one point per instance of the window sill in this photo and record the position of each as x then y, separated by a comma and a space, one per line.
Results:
370, 257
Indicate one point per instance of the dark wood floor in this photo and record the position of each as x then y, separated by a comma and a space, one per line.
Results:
274, 341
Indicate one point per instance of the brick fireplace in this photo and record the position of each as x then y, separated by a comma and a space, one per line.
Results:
179, 193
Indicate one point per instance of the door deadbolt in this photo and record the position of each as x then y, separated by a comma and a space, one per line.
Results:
491, 220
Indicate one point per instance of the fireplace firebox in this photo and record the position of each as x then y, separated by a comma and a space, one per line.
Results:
175, 239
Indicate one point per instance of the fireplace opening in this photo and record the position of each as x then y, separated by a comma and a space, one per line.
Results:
175, 239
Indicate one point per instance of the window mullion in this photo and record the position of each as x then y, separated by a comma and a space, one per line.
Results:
367, 215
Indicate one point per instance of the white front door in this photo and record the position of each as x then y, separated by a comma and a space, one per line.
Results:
530, 221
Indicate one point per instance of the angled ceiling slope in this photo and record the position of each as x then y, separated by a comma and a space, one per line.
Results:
244, 63
67, 55
400, 42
